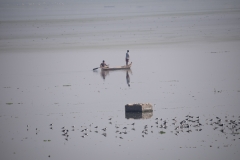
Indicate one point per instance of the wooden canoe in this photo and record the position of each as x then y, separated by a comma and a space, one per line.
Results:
117, 68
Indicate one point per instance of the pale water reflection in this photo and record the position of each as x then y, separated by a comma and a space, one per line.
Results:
138, 115
105, 73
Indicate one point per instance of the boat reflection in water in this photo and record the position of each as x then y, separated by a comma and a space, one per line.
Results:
138, 115
105, 73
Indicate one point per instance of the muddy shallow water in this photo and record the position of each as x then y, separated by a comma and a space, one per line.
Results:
185, 63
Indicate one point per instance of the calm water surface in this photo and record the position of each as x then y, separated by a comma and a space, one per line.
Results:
185, 63
79, 99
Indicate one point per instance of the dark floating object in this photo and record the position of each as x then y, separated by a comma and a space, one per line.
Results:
138, 111
138, 107
67, 85
104, 134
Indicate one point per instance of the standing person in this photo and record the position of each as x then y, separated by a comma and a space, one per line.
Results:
127, 57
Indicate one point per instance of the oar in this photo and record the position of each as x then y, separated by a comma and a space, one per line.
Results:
98, 67
95, 68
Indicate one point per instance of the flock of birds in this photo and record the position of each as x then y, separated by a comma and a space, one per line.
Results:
188, 124
226, 126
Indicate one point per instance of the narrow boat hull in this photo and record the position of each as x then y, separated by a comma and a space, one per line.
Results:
117, 68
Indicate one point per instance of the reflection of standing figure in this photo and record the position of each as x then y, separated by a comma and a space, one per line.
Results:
128, 79
127, 57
